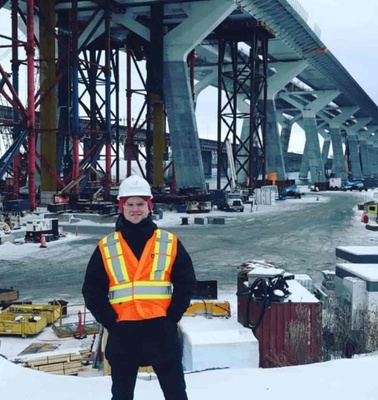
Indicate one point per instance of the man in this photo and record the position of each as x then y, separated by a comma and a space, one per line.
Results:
138, 284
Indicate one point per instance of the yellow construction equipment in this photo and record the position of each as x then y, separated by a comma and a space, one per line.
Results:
21, 324
50, 312
209, 309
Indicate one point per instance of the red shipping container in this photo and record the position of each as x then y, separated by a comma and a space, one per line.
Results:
290, 333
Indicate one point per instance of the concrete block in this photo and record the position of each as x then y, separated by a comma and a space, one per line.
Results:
217, 343
6, 238
218, 221
199, 221
64, 217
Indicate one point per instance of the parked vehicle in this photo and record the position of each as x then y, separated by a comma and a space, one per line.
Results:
335, 183
354, 185
290, 191
228, 201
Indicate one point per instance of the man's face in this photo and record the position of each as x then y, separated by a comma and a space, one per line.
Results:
135, 209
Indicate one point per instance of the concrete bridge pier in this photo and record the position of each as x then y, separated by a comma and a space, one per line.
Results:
354, 155
285, 136
202, 19
365, 139
365, 165
374, 157
354, 151
312, 147
338, 165
285, 73
326, 147
207, 162
312, 158
370, 156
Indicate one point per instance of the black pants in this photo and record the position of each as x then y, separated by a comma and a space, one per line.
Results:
170, 375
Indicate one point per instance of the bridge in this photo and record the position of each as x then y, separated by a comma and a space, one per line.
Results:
263, 57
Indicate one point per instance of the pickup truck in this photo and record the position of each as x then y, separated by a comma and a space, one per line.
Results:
354, 185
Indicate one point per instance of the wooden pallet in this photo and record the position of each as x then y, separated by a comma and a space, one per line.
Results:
62, 364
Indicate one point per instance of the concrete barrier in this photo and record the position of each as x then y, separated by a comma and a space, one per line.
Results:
6, 238
184, 220
216, 220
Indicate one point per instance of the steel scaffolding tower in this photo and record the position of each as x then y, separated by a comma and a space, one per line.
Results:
243, 78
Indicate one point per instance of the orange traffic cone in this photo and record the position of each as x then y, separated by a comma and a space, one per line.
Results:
43, 242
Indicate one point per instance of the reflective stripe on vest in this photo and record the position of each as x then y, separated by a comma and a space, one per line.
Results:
162, 254
114, 255
125, 290
140, 290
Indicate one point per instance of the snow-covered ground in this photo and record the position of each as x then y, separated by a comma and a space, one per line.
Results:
345, 379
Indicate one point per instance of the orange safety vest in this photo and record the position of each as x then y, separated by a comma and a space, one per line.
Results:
139, 289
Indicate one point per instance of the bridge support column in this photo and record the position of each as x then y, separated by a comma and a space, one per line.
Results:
285, 73
285, 137
370, 156
186, 153
338, 164
325, 150
335, 123
364, 157
207, 162
312, 158
353, 147
303, 170
312, 148
374, 158
365, 140
354, 156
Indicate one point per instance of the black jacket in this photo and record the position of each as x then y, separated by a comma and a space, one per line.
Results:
145, 340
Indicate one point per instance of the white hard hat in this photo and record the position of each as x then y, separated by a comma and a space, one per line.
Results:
134, 185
